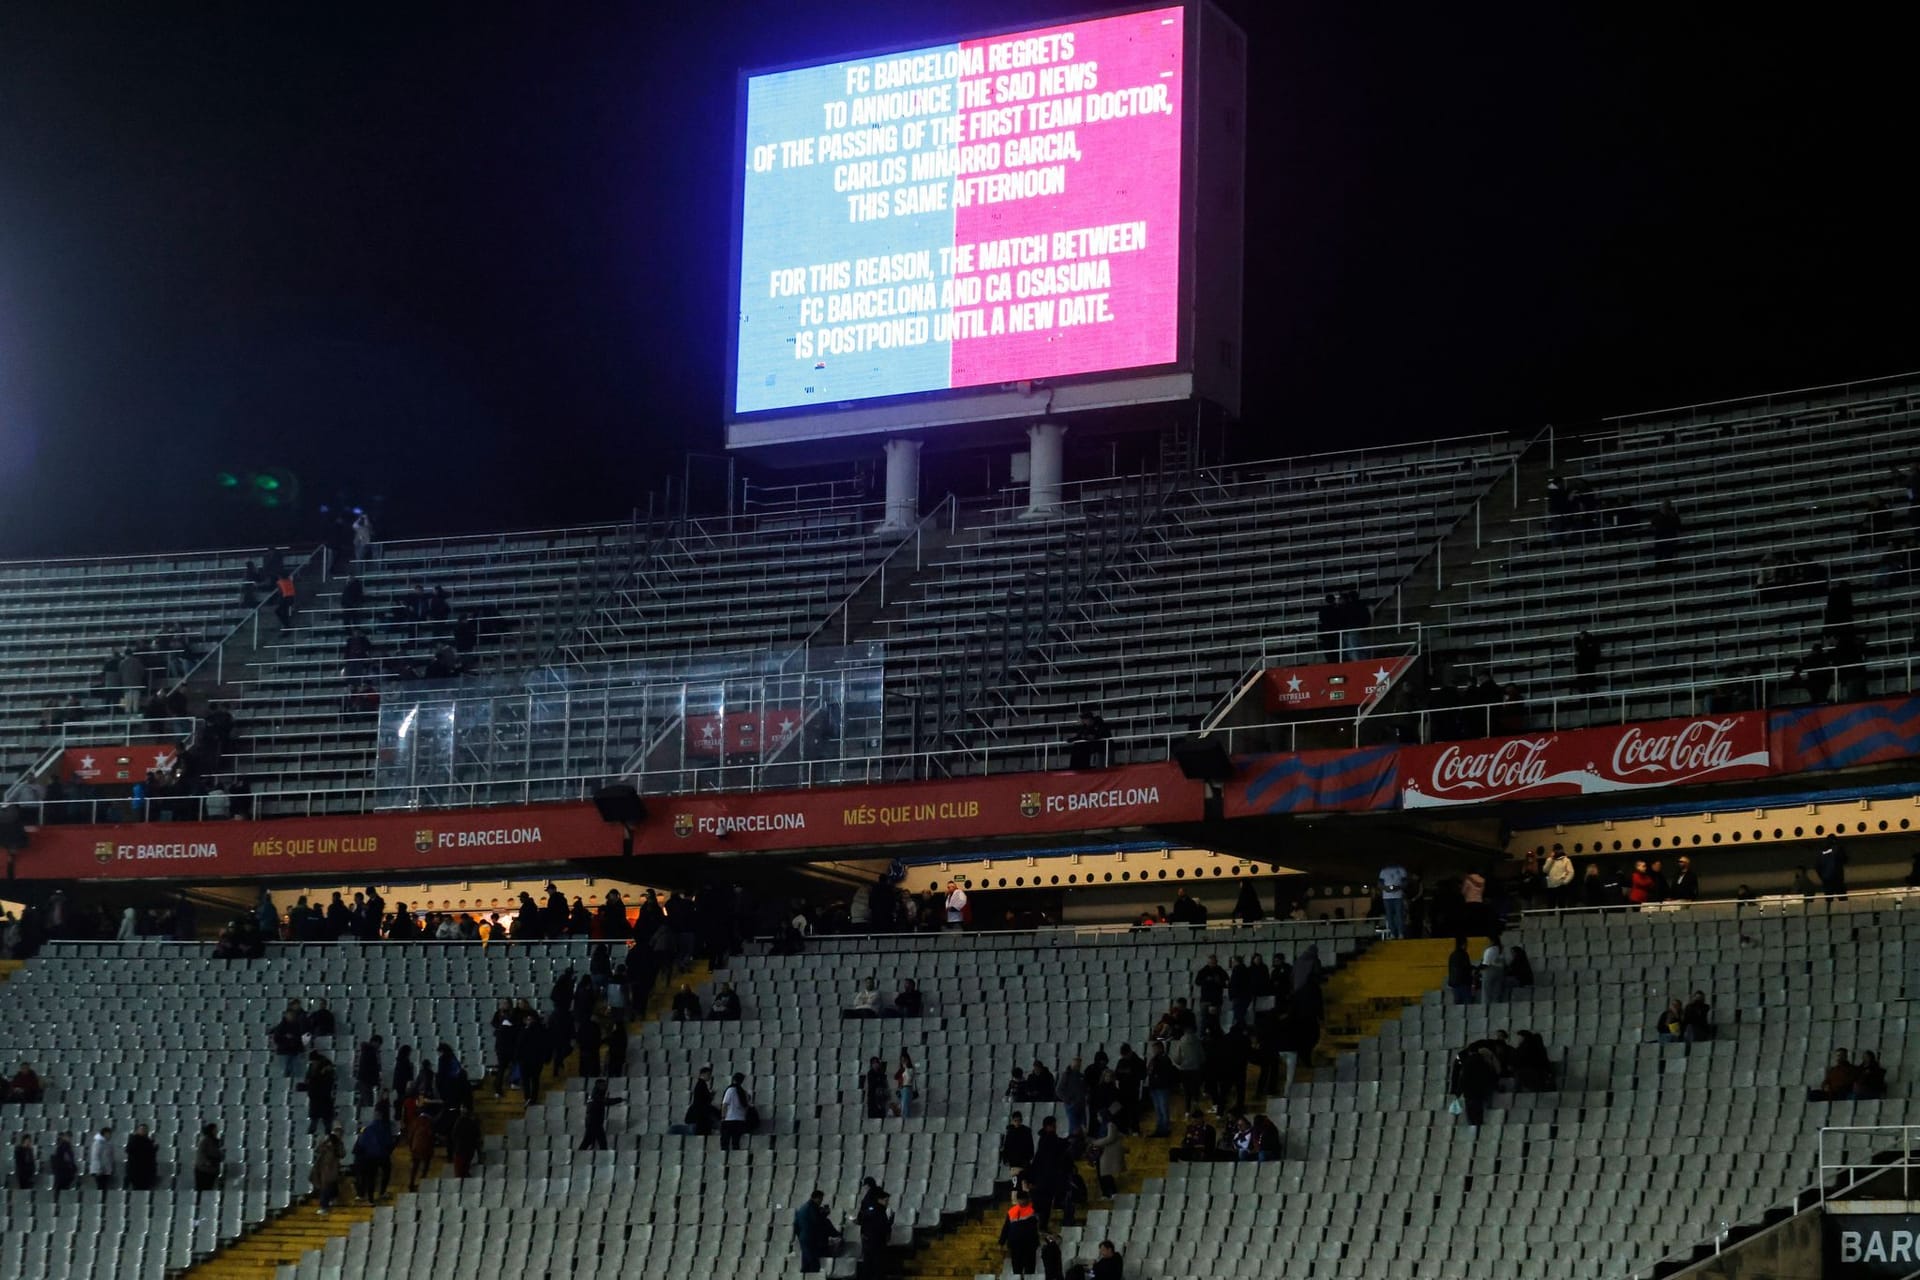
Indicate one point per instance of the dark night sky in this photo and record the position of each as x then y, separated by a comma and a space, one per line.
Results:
475, 260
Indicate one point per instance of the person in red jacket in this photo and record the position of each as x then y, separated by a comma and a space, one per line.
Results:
1640, 886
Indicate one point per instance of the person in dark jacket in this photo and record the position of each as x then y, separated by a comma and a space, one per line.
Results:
876, 1229
367, 1072
463, 1141
1016, 1144
597, 1104
1020, 1233
1474, 1080
875, 1090
143, 1160
1050, 1261
64, 1164
813, 1231
1108, 1265
26, 1163
531, 1045
1052, 1161
587, 1032
403, 1071
1460, 972
319, 1088
701, 1111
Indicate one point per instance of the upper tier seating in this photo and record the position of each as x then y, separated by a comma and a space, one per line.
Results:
63, 621
1235, 557
1645, 1149
161, 1034
1752, 482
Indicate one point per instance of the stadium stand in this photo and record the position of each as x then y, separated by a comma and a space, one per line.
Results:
1644, 1150
141, 1033
1778, 498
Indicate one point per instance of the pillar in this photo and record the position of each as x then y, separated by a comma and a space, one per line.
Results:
903, 485
1044, 465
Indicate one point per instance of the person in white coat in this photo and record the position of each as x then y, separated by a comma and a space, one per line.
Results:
956, 905
1559, 871
129, 926
100, 1158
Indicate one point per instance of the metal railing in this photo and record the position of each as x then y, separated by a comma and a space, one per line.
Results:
114, 731
1896, 1153
947, 510
250, 624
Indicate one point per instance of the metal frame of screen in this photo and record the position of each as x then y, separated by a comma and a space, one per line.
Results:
1213, 90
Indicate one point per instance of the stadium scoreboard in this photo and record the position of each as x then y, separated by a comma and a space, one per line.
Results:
1038, 220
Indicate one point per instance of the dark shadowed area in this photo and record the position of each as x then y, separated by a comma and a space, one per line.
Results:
471, 264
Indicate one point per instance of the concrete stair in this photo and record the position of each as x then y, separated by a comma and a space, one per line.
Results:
1374, 987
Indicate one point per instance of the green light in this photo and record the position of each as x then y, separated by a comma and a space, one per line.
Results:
227, 480
266, 482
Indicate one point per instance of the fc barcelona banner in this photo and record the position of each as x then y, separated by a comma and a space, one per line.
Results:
1808, 739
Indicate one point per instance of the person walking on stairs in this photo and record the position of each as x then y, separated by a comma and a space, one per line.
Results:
1020, 1233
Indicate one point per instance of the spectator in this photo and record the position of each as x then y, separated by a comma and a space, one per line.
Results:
686, 1005
64, 1164
1460, 972
597, 1104
903, 1086
1837, 1085
1475, 1076
1696, 1020
1050, 1262
143, 1160
1493, 971
1686, 884
814, 1232
1130, 1078
1189, 1058
957, 910
907, 1002
1108, 1265
1016, 1144
26, 1165
463, 1141
1211, 984
1197, 1143
367, 1072
1587, 653
1354, 619
1640, 886
1112, 1149
866, 1001
736, 1113
1087, 748
1071, 1090
1871, 1080
420, 1145
1532, 1068
100, 1158
1832, 866
873, 1088
701, 1113
1393, 898
329, 1158
1559, 877
1020, 1233
1186, 910
286, 599
876, 1229
726, 1004
26, 1085
373, 1159
1671, 1022
362, 535
1593, 889
1665, 524
1519, 968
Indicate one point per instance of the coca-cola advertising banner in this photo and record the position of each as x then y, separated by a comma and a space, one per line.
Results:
1325, 686
1586, 762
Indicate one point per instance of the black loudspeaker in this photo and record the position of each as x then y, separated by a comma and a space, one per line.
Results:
619, 803
1204, 760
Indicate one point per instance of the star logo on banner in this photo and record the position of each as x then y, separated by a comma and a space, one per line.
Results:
1293, 684
86, 762
709, 733
786, 728
1380, 676
163, 760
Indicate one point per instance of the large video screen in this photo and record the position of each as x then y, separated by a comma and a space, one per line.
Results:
984, 212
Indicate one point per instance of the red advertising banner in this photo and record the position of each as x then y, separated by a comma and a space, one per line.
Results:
824, 817
351, 844
743, 733
1663, 753
959, 809
1330, 685
109, 765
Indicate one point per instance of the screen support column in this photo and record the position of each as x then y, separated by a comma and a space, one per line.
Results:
1045, 464
903, 485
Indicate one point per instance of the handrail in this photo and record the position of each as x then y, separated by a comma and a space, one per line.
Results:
949, 504
1768, 396
217, 654
66, 741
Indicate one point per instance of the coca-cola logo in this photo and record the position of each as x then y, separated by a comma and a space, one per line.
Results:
1513, 765
1699, 746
